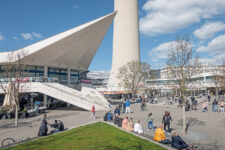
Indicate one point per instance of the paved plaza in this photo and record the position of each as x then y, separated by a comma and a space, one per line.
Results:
205, 129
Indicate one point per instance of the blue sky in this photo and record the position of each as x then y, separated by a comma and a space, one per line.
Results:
23, 22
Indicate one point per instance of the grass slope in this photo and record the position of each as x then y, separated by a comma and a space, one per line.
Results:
98, 136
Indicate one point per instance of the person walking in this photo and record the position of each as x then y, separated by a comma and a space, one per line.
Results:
127, 106
192, 102
43, 130
117, 111
209, 98
142, 104
150, 121
215, 103
166, 120
124, 105
222, 104
92, 112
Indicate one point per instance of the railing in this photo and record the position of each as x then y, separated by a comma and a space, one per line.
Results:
30, 79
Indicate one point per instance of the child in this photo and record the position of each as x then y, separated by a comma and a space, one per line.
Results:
150, 121
92, 111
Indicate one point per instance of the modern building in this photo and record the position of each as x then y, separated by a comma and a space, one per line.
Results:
58, 64
126, 45
98, 78
205, 80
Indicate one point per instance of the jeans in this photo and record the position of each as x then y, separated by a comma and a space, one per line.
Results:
215, 108
124, 108
166, 124
150, 123
221, 109
142, 107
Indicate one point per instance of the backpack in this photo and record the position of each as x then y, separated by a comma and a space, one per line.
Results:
61, 126
105, 117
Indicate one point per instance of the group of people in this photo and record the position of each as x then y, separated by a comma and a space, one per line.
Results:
176, 141
159, 136
215, 105
43, 130
128, 125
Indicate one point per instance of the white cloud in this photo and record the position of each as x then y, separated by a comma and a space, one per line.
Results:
1, 37
215, 46
209, 29
37, 35
27, 36
160, 52
31, 36
15, 38
167, 16
216, 60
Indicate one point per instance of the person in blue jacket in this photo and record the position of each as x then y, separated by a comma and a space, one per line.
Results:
127, 106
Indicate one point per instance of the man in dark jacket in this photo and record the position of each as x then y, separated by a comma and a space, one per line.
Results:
43, 128
117, 111
177, 141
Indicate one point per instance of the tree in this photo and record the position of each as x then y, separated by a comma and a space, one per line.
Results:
182, 66
132, 75
218, 78
14, 70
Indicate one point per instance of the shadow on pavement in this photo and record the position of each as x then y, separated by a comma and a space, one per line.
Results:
191, 122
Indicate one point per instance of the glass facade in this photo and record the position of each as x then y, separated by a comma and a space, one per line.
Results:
57, 74
60, 74
27, 71
74, 77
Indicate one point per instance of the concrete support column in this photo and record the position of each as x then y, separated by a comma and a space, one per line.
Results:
68, 75
46, 77
46, 71
45, 101
68, 81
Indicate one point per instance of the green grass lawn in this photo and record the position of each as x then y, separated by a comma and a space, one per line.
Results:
98, 136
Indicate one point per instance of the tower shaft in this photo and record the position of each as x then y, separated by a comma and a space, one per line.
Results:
126, 45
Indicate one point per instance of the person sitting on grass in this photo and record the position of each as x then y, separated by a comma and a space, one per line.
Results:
130, 125
177, 141
125, 122
159, 134
61, 125
138, 128
116, 119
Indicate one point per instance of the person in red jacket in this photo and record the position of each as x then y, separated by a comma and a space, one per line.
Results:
92, 112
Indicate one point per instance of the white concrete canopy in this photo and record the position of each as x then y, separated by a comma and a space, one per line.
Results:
73, 49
